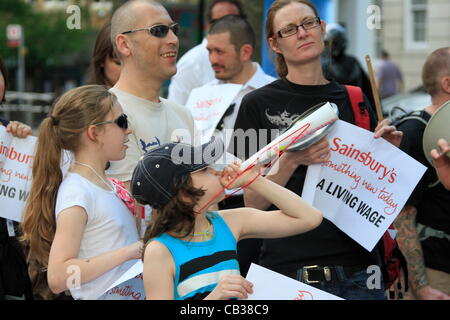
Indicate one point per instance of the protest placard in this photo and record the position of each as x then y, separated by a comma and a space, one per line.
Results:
208, 104
364, 184
270, 285
16, 157
129, 286
301, 131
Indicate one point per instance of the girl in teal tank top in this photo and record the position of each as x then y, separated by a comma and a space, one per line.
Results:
199, 265
190, 250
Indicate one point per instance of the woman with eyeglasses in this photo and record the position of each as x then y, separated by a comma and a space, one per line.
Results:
324, 257
77, 227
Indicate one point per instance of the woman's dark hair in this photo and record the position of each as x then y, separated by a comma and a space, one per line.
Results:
178, 214
4, 73
103, 48
239, 29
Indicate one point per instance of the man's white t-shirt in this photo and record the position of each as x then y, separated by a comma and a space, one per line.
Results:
110, 226
152, 124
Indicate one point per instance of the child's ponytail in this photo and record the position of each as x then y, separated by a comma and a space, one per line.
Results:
72, 114
39, 223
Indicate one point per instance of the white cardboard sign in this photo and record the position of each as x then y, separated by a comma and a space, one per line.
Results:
129, 286
364, 185
270, 285
16, 157
208, 104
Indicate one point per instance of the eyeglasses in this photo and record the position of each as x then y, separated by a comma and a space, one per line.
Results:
290, 30
121, 121
159, 30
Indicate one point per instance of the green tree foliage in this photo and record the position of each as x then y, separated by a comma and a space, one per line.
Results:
255, 12
48, 40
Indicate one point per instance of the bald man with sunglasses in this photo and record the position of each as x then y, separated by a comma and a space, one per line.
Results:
145, 40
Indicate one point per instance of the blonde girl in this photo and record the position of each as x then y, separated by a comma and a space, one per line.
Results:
75, 225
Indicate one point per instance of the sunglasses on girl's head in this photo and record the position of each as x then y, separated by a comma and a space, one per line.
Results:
121, 121
159, 30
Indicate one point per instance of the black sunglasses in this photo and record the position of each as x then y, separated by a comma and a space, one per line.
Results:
121, 121
159, 30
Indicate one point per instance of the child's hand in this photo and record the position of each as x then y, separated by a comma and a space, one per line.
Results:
18, 129
134, 251
231, 286
233, 170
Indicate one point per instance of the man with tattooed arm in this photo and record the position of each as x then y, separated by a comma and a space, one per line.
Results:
424, 223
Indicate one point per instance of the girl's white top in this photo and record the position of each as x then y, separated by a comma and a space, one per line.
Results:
110, 226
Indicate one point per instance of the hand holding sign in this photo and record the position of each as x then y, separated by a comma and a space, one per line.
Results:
269, 285
389, 133
208, 104
16, 156
18, 129
317, 153
364, 184
231, 286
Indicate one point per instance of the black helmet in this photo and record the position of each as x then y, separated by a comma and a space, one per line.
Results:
336, 37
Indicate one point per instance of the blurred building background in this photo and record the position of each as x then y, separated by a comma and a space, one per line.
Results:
411, 29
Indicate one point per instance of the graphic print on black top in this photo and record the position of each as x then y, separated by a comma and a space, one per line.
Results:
281, 120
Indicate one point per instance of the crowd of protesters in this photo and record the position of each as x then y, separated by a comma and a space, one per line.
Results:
124, 198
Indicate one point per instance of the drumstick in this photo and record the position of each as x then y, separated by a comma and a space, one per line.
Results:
373, 84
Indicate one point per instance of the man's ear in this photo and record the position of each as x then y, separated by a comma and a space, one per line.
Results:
246, 52
123, 45
445, 84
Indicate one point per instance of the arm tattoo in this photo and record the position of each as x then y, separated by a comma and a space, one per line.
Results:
410, 246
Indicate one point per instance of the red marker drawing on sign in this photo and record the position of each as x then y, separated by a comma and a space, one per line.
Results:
304, 295
278, 151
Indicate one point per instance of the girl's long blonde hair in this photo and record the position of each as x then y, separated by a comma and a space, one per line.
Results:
72, 114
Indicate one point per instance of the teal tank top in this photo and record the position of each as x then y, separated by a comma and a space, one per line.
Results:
200, 265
